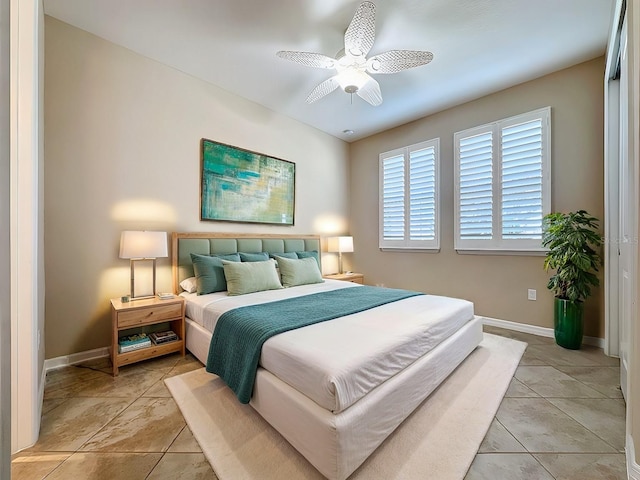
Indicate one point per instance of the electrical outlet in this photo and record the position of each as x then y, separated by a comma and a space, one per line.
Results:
531, 294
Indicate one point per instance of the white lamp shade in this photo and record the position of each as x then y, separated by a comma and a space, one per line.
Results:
137, 244
340, 244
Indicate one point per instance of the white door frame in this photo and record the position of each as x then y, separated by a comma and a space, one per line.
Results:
612, 216
612, 185
26, 223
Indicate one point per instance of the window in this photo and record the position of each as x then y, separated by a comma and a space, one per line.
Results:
502, 183
409, 216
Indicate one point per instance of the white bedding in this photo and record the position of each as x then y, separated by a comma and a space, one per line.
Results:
206, 309
365, 349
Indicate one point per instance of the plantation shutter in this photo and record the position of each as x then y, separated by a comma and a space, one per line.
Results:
393, 198
475, 173
422, 194
522, 181
409, 197
503, 184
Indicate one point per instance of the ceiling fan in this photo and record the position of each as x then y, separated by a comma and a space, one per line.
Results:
351, 63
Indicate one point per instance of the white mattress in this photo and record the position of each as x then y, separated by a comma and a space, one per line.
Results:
338, 362
336, 444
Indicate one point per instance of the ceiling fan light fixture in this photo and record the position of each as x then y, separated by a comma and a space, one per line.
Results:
351, 62
351, 79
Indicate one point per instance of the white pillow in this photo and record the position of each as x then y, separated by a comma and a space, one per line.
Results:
189, 284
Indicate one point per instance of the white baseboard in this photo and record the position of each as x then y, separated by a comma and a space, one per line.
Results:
535, 330
74, 358
633, 469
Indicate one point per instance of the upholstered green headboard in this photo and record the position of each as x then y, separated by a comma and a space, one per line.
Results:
184, 244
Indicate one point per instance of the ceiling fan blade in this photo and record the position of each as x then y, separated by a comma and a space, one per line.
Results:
308, 59
325, 88
370, 92
397, 60
361, 32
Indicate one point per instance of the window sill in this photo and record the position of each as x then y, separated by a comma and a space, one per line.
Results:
522, 253
410, 250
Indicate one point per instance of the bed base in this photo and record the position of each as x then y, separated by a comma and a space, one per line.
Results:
337, 444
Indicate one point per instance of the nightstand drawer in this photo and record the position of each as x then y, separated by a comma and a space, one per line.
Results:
153, 314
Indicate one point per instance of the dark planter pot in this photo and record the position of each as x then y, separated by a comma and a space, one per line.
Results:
568, 323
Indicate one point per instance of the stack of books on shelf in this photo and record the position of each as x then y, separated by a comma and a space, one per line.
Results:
133, 342
163, 337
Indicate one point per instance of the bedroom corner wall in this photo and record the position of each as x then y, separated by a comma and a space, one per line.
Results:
122, 152
496, 284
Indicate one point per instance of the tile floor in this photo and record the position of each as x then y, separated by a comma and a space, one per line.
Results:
95, 426
563, 417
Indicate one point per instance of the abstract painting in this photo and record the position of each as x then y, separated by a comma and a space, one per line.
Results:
238, 185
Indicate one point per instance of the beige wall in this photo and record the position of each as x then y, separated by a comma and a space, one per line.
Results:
496, 284
122, 139
122, 152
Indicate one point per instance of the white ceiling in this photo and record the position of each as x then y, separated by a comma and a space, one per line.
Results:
479, 47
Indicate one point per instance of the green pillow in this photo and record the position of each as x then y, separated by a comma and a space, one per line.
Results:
249, 277
299, 272
285, 255
254, 257
209, 272
309, 254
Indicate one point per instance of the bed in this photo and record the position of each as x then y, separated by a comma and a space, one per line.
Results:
334, 419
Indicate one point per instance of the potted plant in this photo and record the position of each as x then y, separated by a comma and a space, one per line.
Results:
572, 240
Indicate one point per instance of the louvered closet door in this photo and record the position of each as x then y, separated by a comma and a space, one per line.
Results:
627, 294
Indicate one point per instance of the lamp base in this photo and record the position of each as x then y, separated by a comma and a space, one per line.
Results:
146, 297
146, 282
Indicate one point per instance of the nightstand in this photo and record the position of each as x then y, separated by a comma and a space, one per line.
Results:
347, 277
143, 313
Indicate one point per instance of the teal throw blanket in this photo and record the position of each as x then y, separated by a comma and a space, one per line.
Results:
237, 341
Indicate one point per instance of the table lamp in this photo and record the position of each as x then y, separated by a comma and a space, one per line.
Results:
340, 245
140, 246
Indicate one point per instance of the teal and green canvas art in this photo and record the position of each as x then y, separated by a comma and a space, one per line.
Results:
238, 185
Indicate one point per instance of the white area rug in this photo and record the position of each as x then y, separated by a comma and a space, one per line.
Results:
439, 440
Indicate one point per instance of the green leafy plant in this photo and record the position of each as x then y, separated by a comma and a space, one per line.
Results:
572, 240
